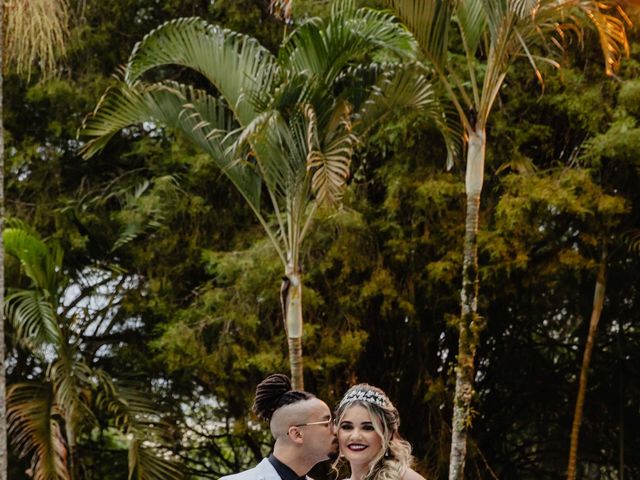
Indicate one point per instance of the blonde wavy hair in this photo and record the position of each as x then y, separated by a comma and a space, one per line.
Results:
394, 457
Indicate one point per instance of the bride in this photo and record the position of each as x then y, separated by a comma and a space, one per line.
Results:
367, 429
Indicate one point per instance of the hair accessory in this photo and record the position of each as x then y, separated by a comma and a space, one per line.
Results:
368, 396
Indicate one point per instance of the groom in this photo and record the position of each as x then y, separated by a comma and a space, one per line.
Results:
302, 427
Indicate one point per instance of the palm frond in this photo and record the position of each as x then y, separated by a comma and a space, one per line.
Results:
404, 87
235, 64
321, 49
32, 312
558, 17
264, 141
397, 88
524, 8
472, 19
611, 32
34, 430
146, 464
500, 16
41, 263
532, 58
200, 117
123, 106
72, 381
329, 156
430, 22
34, 319
631, 239
446, 118
135, 414
379, 30
281, 9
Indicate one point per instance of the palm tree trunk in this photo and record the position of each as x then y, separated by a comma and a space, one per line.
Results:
3, 380
73, 451
293, 321
596, 312
469, 327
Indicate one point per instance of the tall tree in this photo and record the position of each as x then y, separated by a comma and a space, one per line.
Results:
490, 37
607, 162
282, 127
596, 313
29, 31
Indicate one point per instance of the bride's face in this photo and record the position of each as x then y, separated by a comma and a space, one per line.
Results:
359, 442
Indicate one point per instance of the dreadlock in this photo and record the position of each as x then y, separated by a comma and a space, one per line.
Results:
275, 392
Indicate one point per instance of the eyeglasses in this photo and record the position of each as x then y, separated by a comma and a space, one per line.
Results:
322, 422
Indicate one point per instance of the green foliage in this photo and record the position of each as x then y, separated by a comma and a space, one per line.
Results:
618, 142
629, 97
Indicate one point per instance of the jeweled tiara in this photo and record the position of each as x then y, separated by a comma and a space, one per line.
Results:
368, 396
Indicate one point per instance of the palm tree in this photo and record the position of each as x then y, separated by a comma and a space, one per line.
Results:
282, 129
490, 36
20, 47
47, 418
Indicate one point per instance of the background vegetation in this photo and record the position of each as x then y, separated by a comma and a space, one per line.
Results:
180, 285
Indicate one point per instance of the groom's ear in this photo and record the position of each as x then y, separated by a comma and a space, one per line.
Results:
295, 434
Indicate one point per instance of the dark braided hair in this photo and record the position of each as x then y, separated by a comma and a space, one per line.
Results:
275, 392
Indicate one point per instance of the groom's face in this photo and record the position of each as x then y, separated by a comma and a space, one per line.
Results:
319, 433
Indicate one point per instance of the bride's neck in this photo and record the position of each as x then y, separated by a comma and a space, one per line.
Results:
359, 472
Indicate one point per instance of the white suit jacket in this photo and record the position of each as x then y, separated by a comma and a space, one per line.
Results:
263, 471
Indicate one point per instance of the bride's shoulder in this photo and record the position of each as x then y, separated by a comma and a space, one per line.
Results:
412, 475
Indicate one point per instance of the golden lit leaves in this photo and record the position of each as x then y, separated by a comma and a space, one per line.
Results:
281, 9
35, 31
